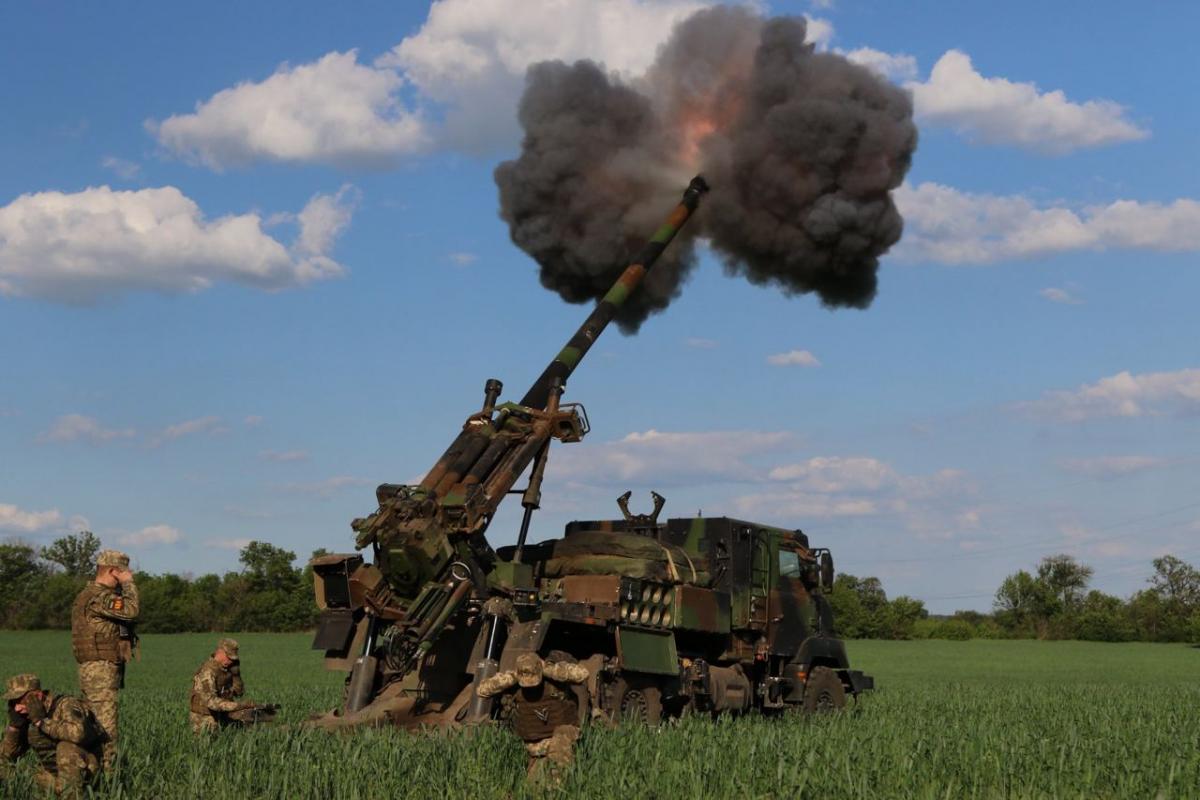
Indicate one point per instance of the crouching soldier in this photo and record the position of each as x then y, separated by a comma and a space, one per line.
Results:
62, 732
545, 709
217, 689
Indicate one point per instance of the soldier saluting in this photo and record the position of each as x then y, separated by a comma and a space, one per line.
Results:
60, 730
545, 710
216, 691
102, 621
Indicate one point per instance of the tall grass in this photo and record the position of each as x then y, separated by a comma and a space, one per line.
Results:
977, 719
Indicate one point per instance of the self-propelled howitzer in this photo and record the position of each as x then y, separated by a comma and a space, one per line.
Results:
416, 613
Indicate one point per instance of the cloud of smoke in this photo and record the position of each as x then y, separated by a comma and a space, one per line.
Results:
801, 148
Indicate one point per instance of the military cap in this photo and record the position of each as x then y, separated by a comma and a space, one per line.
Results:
229, 647
20, 685
112, 558
529, 670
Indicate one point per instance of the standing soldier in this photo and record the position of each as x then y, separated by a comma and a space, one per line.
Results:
102, 635
60, 730
545, 710
216, 689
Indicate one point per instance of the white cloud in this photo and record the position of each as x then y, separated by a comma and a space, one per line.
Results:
13, 518
228, 544
949, 226
252, 421
151, 535
333, 110
793, 358
698, 343
837, 474
1122, 395
81, 247
453, 84
1000, 111
666, 458
1063, 296
463, 259
284, 456
77, 427
1111, 466
896, 67
128, 170
819, 32
191, 427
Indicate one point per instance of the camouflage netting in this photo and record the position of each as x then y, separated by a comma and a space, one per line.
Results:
601, 553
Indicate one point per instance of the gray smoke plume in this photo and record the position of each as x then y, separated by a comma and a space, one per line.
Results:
801, 148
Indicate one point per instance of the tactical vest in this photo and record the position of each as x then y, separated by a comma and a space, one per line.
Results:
538, 711
94, 638
222, 681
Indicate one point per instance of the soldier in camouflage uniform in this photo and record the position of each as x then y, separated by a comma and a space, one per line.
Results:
62, 732
216, 689
545, 710
102, 636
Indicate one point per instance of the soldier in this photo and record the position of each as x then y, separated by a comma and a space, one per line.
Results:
102, 635
216, 688
545, 710
62, 732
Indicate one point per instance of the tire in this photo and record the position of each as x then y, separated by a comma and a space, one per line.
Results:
824, 692
636, 701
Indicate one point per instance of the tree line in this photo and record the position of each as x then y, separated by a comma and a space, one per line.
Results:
269, 593
38, 586
1054, 601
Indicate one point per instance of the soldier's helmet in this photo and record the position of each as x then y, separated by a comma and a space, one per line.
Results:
112, 558
20, 685
229, 647
529, 670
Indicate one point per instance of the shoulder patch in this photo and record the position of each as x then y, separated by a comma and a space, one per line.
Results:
117, 603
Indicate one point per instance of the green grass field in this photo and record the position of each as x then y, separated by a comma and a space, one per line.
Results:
950, 720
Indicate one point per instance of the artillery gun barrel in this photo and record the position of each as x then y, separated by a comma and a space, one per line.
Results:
569, 357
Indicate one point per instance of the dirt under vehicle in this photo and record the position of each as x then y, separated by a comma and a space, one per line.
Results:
711, 614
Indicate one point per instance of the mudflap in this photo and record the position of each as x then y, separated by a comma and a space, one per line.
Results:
856, 680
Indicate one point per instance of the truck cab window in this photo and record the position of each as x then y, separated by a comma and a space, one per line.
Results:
789, 565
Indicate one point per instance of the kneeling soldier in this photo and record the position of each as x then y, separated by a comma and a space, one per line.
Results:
216, 689
545, 710
62, 732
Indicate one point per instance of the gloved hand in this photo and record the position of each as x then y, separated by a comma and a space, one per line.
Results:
16, 720
235, 668
36, 710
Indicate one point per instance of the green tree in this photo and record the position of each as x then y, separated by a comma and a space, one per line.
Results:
21, 574
1066, 579
1177, 582
76, 554
268, 567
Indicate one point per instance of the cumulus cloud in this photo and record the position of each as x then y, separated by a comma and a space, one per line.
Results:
949, 226
896, 67
855, 486
77, 427
1062, 296
150, 536
793, 358
1000, 111
666, 458
82, 247
17, 519
1122, 395
334, 110
1111, 466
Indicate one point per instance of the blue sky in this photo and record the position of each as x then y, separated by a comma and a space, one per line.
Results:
251, 266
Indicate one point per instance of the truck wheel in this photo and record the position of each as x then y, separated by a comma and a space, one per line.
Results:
637, 701
824, 692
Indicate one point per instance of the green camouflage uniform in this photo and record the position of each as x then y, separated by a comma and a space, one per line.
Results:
545, 711
214, 691
67, 741
100, 621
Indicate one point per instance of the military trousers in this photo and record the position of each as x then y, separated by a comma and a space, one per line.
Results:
74, 768
100, 683
552, 754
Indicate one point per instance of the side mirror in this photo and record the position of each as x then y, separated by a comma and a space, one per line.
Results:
826, 565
